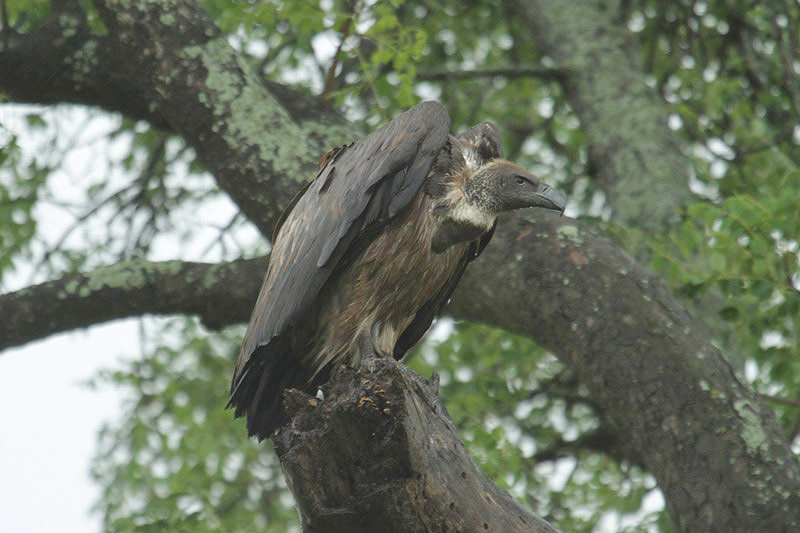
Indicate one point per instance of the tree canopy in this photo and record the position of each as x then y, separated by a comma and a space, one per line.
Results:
630, 367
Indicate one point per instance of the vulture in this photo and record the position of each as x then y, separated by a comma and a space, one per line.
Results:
368, 253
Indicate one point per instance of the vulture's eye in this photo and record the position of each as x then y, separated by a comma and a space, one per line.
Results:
520, 180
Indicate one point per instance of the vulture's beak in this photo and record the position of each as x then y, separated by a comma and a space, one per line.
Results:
550, 198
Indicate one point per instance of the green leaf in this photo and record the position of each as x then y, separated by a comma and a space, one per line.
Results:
35, 120
383, 24
729, 313
758, 245
760, 267
717, 261
699, 210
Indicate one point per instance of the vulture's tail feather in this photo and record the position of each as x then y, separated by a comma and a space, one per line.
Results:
258, 393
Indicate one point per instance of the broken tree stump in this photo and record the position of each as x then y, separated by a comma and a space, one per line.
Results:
380, 453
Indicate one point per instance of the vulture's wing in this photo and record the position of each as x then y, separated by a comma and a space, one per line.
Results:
359, 189
479, 145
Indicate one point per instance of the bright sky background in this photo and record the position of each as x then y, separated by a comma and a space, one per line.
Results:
49, 426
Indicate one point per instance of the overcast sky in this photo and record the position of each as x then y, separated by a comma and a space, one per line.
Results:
49, 426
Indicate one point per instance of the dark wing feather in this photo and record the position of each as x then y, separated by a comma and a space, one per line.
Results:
479, 144
358, 191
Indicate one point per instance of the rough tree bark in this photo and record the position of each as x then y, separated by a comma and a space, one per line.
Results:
131, 288
714, 447
380, 453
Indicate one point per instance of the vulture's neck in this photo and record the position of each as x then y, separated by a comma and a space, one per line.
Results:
464, 214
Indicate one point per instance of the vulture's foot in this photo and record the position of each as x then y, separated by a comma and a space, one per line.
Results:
427, 388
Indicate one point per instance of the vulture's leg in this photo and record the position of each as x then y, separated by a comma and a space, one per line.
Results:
369, 348
367, 353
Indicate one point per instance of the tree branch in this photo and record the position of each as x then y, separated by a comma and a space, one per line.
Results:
647, 363
544, 73
633, 155
601, 440
220, 294
781, 400
207, 93
61, 61
649, 366
174, 68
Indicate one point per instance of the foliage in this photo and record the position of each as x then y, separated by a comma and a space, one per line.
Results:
744, 247
729, 72
523, 417
26, 14
377, 54
18, 191
112, 189
175, 462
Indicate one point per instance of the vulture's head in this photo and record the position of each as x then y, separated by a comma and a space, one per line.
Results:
500, 186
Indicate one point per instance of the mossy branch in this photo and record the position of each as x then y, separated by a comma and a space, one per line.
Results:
220, 294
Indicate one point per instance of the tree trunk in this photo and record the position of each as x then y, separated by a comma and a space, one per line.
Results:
380, 453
